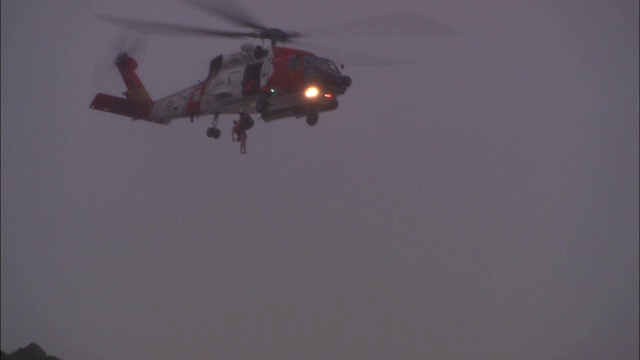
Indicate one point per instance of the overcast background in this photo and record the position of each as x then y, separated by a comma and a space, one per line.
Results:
482, 204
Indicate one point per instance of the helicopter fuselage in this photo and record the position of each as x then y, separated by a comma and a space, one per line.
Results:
276, 83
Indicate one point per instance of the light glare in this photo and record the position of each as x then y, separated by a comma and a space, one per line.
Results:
312, 92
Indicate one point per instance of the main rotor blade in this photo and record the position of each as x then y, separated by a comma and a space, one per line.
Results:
171, 29
399, 24
230, 10
351, 58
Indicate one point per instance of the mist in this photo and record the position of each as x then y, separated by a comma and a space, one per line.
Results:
480, 202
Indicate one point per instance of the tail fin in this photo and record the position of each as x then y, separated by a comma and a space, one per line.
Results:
135, 90
137, 104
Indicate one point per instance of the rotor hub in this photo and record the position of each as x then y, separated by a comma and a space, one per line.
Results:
276, 35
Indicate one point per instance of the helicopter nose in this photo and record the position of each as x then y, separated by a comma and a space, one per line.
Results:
343, 81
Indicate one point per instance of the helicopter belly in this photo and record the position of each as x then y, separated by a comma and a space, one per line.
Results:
297, 105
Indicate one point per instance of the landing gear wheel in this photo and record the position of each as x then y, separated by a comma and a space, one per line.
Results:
262, 105
312, 117
213, 133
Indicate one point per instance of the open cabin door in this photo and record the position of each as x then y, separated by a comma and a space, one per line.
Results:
228, 84
251, 81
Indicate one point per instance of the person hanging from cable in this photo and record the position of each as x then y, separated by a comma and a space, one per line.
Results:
240, 127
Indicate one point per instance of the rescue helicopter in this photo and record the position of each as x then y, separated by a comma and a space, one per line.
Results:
273, 81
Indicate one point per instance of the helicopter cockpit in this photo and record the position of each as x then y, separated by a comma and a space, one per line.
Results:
311, 62
324, 72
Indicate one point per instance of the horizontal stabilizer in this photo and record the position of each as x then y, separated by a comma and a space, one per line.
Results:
114, 104
124, 107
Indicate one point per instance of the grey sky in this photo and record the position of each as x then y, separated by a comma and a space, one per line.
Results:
482, 204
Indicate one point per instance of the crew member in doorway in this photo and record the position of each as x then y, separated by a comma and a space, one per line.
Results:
249, 87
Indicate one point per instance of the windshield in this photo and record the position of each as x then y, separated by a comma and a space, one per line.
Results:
314, 62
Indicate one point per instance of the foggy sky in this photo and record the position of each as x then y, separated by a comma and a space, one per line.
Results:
480, 204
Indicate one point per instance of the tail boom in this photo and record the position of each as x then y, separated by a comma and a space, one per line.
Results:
120, 106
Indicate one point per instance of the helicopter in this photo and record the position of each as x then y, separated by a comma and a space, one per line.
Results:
273, 81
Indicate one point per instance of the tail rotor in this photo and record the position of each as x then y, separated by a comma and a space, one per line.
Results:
125, 44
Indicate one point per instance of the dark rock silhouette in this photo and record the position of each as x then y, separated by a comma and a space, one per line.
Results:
32, 352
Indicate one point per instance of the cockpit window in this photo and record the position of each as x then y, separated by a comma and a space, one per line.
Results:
314, 62
309, 61
294, 63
